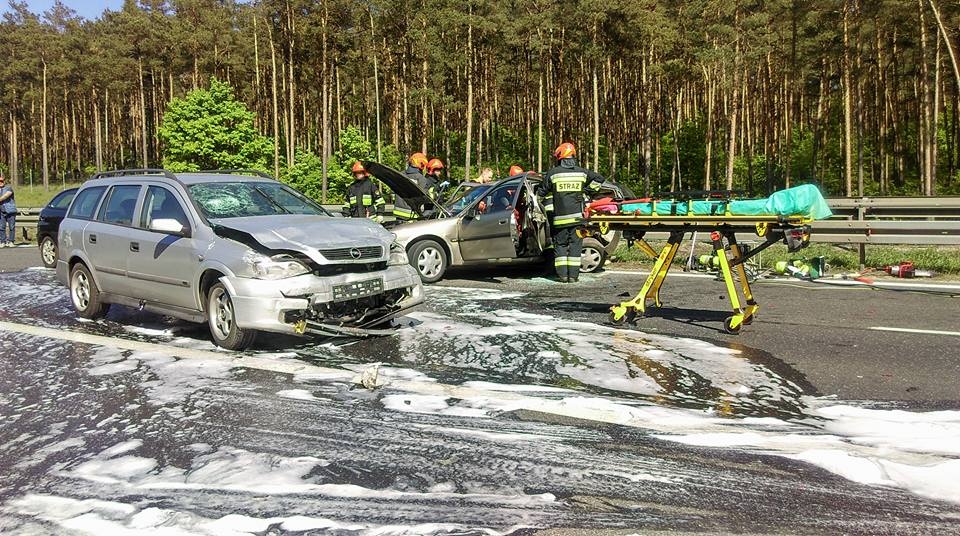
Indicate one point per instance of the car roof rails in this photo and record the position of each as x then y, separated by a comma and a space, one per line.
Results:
138, 171
256, 172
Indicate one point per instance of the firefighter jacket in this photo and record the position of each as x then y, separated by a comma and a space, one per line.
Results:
566, 188
400, 207
363, 200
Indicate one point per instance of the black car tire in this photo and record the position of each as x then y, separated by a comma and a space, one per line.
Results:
429, 259
593, 256
222, 320
85, 294
48, 251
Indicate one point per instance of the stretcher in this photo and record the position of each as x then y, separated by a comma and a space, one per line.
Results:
783, 217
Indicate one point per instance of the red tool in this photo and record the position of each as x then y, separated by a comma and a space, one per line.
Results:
903, 270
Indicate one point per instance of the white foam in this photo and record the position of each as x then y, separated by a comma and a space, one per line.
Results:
299, 394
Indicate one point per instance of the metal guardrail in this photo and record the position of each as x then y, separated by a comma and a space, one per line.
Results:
858, 220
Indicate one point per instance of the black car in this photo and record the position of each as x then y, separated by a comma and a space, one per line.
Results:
49, 224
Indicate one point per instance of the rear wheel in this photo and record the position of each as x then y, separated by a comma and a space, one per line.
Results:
221, 317
84, 293
429, 259
48, 251
593, 256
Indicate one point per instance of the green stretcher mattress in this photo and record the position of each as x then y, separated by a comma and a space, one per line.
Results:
805, 200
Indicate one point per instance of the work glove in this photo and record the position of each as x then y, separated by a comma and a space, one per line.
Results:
377, 218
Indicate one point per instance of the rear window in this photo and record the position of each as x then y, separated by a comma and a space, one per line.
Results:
86, 202
62, 200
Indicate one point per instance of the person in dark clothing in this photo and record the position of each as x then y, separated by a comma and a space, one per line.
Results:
566, 187
415, 166
363, 197
434, 178
8, 215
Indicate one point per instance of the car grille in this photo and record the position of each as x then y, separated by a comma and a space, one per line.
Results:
355, 268
366, 253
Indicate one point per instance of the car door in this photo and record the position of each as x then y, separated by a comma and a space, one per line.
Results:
488, 229
163, 265
105, 238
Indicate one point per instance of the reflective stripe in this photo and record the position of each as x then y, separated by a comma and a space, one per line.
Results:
548, 207
379, 201
408, 214
573, 176
367, 200
567, 221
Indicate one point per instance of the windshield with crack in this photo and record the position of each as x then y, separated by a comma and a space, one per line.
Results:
246, 199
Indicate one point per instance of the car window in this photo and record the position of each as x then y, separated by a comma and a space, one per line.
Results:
464, 196
86, 202
161, 204
248, 199
62, 200
120, 205
501, 198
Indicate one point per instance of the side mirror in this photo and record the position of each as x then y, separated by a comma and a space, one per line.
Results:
169, 226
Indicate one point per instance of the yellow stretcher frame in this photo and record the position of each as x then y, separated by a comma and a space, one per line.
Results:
722, 229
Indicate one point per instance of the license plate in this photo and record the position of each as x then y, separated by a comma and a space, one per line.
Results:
360, 289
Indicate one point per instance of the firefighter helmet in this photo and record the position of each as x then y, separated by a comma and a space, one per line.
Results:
435, 164
515, 170
358, 168
418, 160
565, 150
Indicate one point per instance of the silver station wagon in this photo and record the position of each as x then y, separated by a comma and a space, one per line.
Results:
235, 249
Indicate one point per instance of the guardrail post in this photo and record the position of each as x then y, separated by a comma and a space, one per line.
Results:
861, 212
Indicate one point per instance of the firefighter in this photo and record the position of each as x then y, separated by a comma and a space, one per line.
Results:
514, 170
566, 187
434, 178
363, 196
415, 166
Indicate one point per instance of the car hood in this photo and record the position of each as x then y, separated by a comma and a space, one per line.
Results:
408, 190
303, 233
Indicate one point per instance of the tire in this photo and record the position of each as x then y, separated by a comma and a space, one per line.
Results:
222, 320
48, 251
593, 256
429, 259
84, 293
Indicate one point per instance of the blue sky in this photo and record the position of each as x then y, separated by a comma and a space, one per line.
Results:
89, 9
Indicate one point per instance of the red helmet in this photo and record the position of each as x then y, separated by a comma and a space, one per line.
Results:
434, 165
358, 168
515, 170
565, 150
418, 160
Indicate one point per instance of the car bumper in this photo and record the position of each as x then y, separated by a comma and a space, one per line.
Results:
267, 305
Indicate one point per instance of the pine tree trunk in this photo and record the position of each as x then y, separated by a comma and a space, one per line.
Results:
276, 111
43, 130
847, 102
466, 166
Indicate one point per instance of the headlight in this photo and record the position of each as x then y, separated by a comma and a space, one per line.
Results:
398, 256
276, 267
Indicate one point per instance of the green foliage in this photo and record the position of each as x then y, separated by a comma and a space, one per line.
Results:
210, 129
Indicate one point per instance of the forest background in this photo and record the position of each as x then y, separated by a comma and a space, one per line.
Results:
859, 97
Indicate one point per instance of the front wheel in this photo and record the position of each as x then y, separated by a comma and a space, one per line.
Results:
48, 252
84, 293
221, 316
593, 256
429, 259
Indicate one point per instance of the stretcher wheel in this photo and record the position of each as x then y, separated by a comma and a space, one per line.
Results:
729, 327
620, 314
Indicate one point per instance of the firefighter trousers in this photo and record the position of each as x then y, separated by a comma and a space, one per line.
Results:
567, 247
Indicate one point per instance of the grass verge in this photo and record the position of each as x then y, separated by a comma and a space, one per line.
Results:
942, 259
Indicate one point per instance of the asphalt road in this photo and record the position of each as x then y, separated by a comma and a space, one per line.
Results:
507, 406
823, 332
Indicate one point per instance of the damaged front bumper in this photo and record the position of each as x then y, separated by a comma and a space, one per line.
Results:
351, 304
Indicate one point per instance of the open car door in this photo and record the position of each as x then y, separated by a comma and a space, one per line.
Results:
411, 192
533, 231
488, 228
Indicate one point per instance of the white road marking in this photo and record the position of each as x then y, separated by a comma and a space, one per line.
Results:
921, 331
